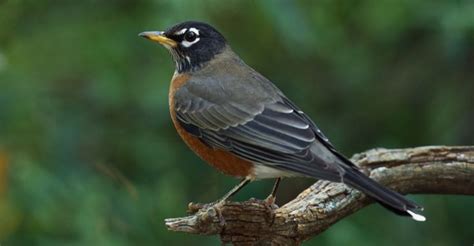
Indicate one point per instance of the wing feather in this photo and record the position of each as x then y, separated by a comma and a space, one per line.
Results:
269, 129
273, 131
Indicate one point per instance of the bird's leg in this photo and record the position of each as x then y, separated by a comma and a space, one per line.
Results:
275, 187
218, 205
270, 200
234, 190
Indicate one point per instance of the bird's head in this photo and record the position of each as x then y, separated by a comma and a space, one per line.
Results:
190, 43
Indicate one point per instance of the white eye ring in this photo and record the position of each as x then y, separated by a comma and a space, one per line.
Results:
195, 30
188, 44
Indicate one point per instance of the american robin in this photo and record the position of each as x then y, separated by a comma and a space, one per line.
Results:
242, 124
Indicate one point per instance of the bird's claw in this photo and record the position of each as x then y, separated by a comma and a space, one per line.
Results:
218, 209
270, 202
208, 211
271, 206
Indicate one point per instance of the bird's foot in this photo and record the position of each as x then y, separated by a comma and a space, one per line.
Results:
270, 202
196, 207
270, 206
218, 207
211, 210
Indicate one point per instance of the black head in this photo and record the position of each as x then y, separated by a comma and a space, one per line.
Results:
191, 43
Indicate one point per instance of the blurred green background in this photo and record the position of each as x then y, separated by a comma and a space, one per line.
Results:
88, 154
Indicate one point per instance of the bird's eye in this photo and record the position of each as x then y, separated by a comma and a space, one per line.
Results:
190, 36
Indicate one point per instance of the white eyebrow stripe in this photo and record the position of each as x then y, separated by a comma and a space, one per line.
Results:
182, 31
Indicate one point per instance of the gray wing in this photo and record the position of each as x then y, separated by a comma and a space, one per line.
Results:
262, 126
265, 128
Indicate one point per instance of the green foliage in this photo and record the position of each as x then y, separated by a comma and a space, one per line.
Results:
88, 155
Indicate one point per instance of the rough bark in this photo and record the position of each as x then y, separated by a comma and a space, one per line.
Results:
426, 170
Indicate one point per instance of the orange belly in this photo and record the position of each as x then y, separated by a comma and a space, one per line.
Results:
222, 160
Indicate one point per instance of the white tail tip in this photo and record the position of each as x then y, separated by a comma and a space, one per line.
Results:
415, 216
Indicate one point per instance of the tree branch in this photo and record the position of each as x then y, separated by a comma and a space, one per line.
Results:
427, 170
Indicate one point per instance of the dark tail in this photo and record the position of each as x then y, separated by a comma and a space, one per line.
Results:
391, 200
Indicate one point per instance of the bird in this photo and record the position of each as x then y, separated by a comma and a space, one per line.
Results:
242, 124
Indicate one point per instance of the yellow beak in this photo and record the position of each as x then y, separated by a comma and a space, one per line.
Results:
159, 37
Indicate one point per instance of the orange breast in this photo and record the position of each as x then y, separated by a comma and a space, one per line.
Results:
221, 160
